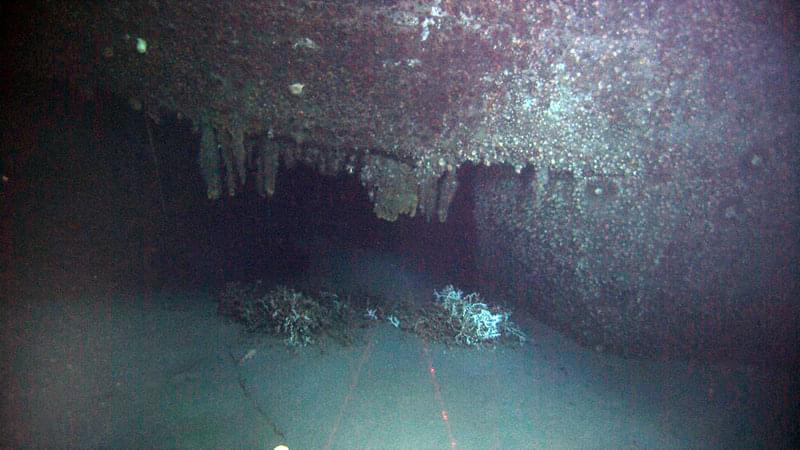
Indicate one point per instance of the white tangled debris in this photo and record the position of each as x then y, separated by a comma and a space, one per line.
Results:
436, 12
474, 321
301, 319
305, 43
297, 88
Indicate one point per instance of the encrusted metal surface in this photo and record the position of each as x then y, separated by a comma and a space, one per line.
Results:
595, 88
644, 143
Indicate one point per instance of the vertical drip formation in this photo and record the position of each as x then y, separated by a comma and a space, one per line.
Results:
267, 161
209, 160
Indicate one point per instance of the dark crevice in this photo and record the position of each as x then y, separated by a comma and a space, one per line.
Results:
153, 227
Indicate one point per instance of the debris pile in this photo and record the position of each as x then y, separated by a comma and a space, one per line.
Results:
300, 319
465, 320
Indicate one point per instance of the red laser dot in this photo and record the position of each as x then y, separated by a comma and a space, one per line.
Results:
433, 371
444, 415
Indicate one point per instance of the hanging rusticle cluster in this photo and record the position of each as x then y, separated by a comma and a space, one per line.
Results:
391, 187
224, 158
227, 156
397, 188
